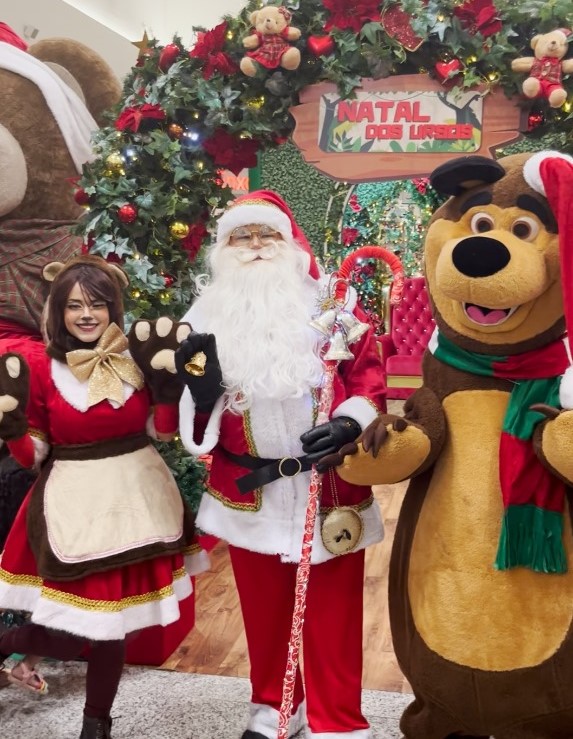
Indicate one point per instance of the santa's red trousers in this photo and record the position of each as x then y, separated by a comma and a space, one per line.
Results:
331, 641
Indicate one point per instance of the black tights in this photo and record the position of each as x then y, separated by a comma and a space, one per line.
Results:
105, 660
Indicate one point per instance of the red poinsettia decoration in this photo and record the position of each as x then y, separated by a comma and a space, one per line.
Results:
130, 119
354, 204
479, 16
349, 235
352, 14
421, 184
192, 242
231, 152
209, 48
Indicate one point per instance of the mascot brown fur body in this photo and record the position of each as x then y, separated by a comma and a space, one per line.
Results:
488, 652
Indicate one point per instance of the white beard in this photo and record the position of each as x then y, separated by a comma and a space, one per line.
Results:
259, 311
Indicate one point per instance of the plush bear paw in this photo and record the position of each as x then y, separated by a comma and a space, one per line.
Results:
152, 345
14, 391
389, 450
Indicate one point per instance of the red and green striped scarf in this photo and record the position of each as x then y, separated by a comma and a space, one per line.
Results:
533, 498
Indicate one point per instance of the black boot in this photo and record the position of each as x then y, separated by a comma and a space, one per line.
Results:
253, 735
96, 728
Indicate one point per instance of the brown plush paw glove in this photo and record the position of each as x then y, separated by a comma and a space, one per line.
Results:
14, 391
152, 345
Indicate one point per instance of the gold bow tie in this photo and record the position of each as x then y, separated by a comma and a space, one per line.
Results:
105, 367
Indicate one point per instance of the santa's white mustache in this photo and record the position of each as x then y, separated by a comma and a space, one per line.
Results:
249, 255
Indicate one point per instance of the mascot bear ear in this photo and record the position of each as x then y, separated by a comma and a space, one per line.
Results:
52, 270
120, 275
464, 173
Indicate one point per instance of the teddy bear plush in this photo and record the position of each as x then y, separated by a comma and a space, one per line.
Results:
481, 572
52, 97
269, 45
547, 67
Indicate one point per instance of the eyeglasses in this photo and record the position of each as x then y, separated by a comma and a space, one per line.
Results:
243, 235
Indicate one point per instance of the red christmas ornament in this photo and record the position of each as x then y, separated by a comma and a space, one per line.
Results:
168, 55
320, 45
169, 280
447, 70
534, 120
81, 197
127, 213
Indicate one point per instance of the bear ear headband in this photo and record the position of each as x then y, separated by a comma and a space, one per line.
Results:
53, 269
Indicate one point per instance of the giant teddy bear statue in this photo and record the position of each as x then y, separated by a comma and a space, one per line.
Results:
52, 97
481, 573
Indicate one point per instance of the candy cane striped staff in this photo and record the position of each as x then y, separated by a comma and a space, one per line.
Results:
338, 332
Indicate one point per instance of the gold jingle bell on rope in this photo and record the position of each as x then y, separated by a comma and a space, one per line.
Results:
341, 530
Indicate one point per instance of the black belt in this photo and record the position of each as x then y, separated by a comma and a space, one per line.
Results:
266, 470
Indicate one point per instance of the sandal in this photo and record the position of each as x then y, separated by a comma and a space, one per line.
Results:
4, 678
30, 679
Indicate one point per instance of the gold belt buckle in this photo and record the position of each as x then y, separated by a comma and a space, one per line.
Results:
285, 459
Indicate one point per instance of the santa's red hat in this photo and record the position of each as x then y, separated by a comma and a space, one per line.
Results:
265, 207
550, 173
8, 36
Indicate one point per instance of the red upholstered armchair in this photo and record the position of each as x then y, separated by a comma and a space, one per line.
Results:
410, 325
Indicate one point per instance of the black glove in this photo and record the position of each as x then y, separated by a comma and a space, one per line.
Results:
207, 388
329, 437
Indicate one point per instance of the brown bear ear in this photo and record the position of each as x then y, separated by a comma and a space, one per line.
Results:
253, 18
119, 275
463, 173
52, 270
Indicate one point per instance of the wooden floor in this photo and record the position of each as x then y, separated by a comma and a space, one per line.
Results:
217, 646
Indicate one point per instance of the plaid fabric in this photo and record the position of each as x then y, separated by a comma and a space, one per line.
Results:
270, 50
25, 249
548, 69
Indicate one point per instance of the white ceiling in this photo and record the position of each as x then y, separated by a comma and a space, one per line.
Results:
111, 26
161, 20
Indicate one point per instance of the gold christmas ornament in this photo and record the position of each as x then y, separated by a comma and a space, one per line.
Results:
175, 131
196, 365
341, 530
114, 161
256, 103
179, 230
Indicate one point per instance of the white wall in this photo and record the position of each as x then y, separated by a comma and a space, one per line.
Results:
110, 26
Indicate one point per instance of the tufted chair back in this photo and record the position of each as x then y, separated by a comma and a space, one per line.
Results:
410, 327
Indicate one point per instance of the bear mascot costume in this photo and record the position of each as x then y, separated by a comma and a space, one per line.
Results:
481, 573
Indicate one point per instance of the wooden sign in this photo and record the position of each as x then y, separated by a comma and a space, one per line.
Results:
400, 127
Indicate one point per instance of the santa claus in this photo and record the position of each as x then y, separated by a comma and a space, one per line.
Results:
253, 371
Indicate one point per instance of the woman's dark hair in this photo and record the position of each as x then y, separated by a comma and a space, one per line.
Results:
96, 284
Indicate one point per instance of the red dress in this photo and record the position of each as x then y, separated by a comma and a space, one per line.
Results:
116, 519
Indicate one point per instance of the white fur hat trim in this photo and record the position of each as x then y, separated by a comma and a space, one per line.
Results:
531, 169
252, 212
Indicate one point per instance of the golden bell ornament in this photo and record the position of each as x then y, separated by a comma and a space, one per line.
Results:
179, 230
338, 348
353, 327
325, 322
196, 365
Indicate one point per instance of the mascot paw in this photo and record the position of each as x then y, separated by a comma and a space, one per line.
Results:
557, 439
389, 450
14, 391
152, 345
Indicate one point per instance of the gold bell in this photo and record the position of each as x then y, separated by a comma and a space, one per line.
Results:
353, 327
325, 322
196, 365
338, 348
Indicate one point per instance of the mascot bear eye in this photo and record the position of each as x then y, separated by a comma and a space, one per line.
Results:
525, 228
481, 222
